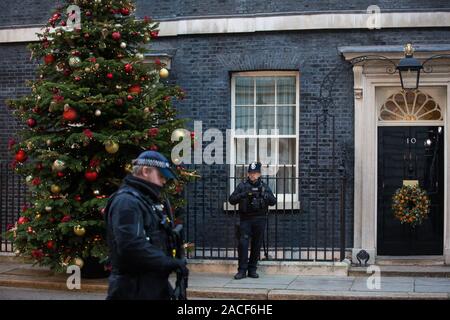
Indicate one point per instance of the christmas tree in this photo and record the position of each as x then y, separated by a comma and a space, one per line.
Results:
94, 106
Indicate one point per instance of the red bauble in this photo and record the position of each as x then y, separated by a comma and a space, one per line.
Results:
77, 78
128, 68
125, 11
153, 132
77, 198
36, 181
70, 114
63, 23
66, 219
119, 102
130, 97
23, 220
153, 147
116, 35
51, 220
50, 244
60, 174
48, 59
154, 34
39, 166
88, 13
37, 253
109, 75
135, 89
21, 156
192, 134
30, 230
88, 133
91, 176
31, 122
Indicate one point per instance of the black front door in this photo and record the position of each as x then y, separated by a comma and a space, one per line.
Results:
410, 153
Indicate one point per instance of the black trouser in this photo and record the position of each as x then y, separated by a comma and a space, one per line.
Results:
250, 228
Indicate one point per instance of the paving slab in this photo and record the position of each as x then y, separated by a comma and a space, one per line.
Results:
352, 295
386, 285
434, 289
431, 281
320, 285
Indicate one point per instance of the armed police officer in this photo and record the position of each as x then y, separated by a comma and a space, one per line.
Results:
136, 223
254, 197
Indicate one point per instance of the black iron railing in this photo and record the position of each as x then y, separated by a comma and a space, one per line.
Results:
12, 198
307, 224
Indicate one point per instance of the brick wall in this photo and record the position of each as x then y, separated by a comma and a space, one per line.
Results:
30, 12
203, 65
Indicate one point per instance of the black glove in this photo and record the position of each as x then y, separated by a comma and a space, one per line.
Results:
182, 266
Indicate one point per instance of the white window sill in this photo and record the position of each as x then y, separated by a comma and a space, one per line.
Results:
287, 205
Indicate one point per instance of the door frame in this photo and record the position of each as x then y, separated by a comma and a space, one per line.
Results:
366, 156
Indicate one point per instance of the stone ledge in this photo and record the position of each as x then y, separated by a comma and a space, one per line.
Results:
343, 295
272, 267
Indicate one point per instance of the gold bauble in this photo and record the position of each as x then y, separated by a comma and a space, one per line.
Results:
48, 209
128, 168
37, 216
179, 133
55, 188
74, 61
49, 142
29, 179
111, 146
78, 262
164, 73
79, 230
52, 107
58, 165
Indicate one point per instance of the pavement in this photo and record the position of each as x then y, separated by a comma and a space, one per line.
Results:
21, 281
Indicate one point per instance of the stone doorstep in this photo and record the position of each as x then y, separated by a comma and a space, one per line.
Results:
272, 267
404, 271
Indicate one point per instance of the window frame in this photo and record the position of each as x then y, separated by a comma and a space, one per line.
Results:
281, 197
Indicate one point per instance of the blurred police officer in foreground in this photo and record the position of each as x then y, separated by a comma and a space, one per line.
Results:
138, 244
254, 197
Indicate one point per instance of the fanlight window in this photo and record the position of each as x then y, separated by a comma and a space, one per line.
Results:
410, 106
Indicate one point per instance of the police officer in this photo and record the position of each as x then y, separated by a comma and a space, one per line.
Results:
138, 244
254, 197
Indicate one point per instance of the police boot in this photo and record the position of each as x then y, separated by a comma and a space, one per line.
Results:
253, 274
240, 275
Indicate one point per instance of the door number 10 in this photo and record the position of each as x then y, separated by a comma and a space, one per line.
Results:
411, 140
